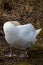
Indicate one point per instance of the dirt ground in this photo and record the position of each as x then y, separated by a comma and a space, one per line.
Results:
24, 11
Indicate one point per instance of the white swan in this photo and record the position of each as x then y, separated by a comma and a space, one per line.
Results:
21, 36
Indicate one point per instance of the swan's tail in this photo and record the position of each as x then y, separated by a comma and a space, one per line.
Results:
38, 31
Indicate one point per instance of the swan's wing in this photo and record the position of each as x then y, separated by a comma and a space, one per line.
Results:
26, 31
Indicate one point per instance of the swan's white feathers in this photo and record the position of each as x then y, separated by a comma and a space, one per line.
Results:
20, 36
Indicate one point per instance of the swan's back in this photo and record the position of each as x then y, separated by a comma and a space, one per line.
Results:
26, 28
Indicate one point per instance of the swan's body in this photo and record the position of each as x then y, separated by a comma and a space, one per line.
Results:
20, 36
